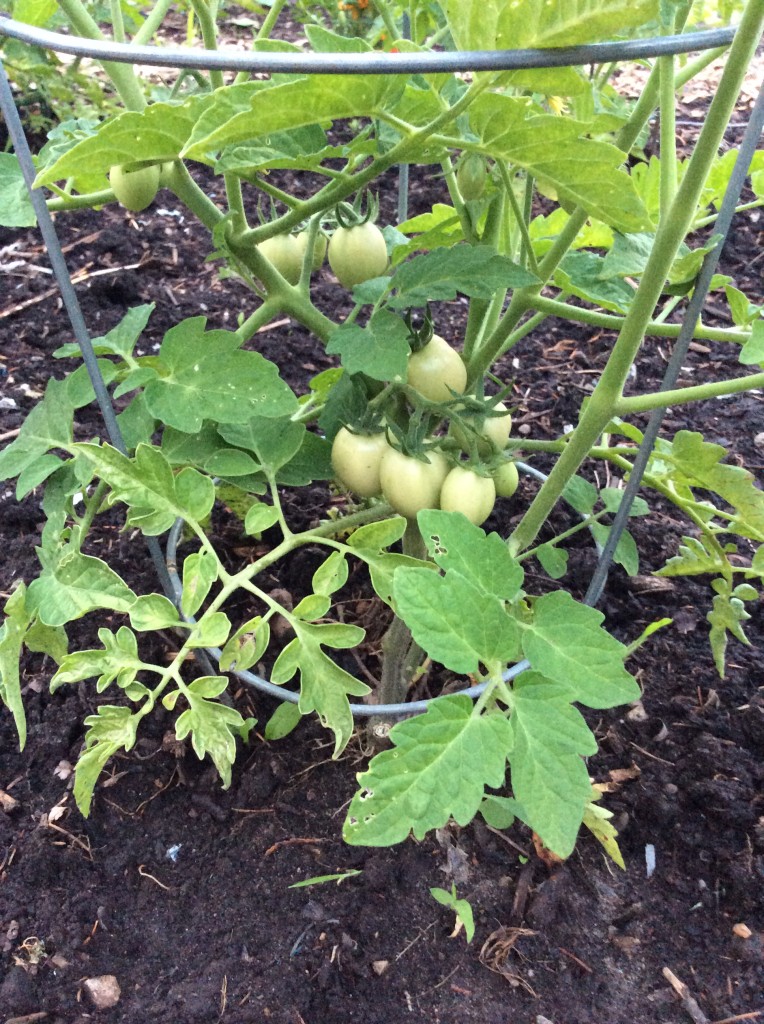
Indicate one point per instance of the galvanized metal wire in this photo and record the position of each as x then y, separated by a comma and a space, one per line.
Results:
367, 63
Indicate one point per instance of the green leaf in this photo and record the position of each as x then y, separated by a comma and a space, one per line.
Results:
582, 170
523, 24
34, 12
580, 273
12, 634
331, 574
206, 375
213, 727
581, 495
109, 730
462, 909
211, 630
243, 113
436, 229
498, 811
375, 536
284, 720
456, 545
312, 607
693, 558
380, 349
153, 611
156, 134
324, 686
553, 559
200, 571
16, 210
275, 441
474, 270
433, 607
119, 341
75, 584
549, 775
566, 643
155, 497
752, 353
438, 769
699, 463
260, 517
727, 615
48, 425
300, 149
625, 553
117, 661
247, 645
597, 820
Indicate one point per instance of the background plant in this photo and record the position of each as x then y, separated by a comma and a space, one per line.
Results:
209, 419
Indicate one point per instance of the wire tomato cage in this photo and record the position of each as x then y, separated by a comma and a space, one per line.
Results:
386, 64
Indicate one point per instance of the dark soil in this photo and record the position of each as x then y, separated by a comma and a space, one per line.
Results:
181, 890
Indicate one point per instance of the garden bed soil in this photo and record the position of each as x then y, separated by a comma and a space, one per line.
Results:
182, 891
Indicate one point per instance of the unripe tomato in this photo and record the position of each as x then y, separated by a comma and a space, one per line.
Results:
436, 370
495, 433
135, 190
471, 176
467, 492
409, 484
283, 251
356, 460
357, 254
506, 479
319, 248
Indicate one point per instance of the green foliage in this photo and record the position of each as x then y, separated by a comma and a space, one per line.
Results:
207, 419
462, 909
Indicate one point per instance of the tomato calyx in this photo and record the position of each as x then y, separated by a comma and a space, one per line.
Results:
351, 216
420, 334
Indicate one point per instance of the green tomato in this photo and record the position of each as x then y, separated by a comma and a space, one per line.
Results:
356, 459
494, 434
467, 492
409, 484
357, 254
319, 248
471, 176
506, 479
437, 370
135, 190
283, 251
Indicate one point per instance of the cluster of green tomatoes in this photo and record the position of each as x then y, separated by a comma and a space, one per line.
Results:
434, 475
357, 250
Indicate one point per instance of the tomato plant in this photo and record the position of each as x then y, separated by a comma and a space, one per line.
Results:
206, 414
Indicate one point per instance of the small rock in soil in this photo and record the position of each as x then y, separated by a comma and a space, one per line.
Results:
103, 992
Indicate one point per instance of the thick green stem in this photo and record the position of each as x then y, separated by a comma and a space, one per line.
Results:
180, 182
681, 396
122, 75
669, 236
155, 18
207, 24
667, 134
553, 307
